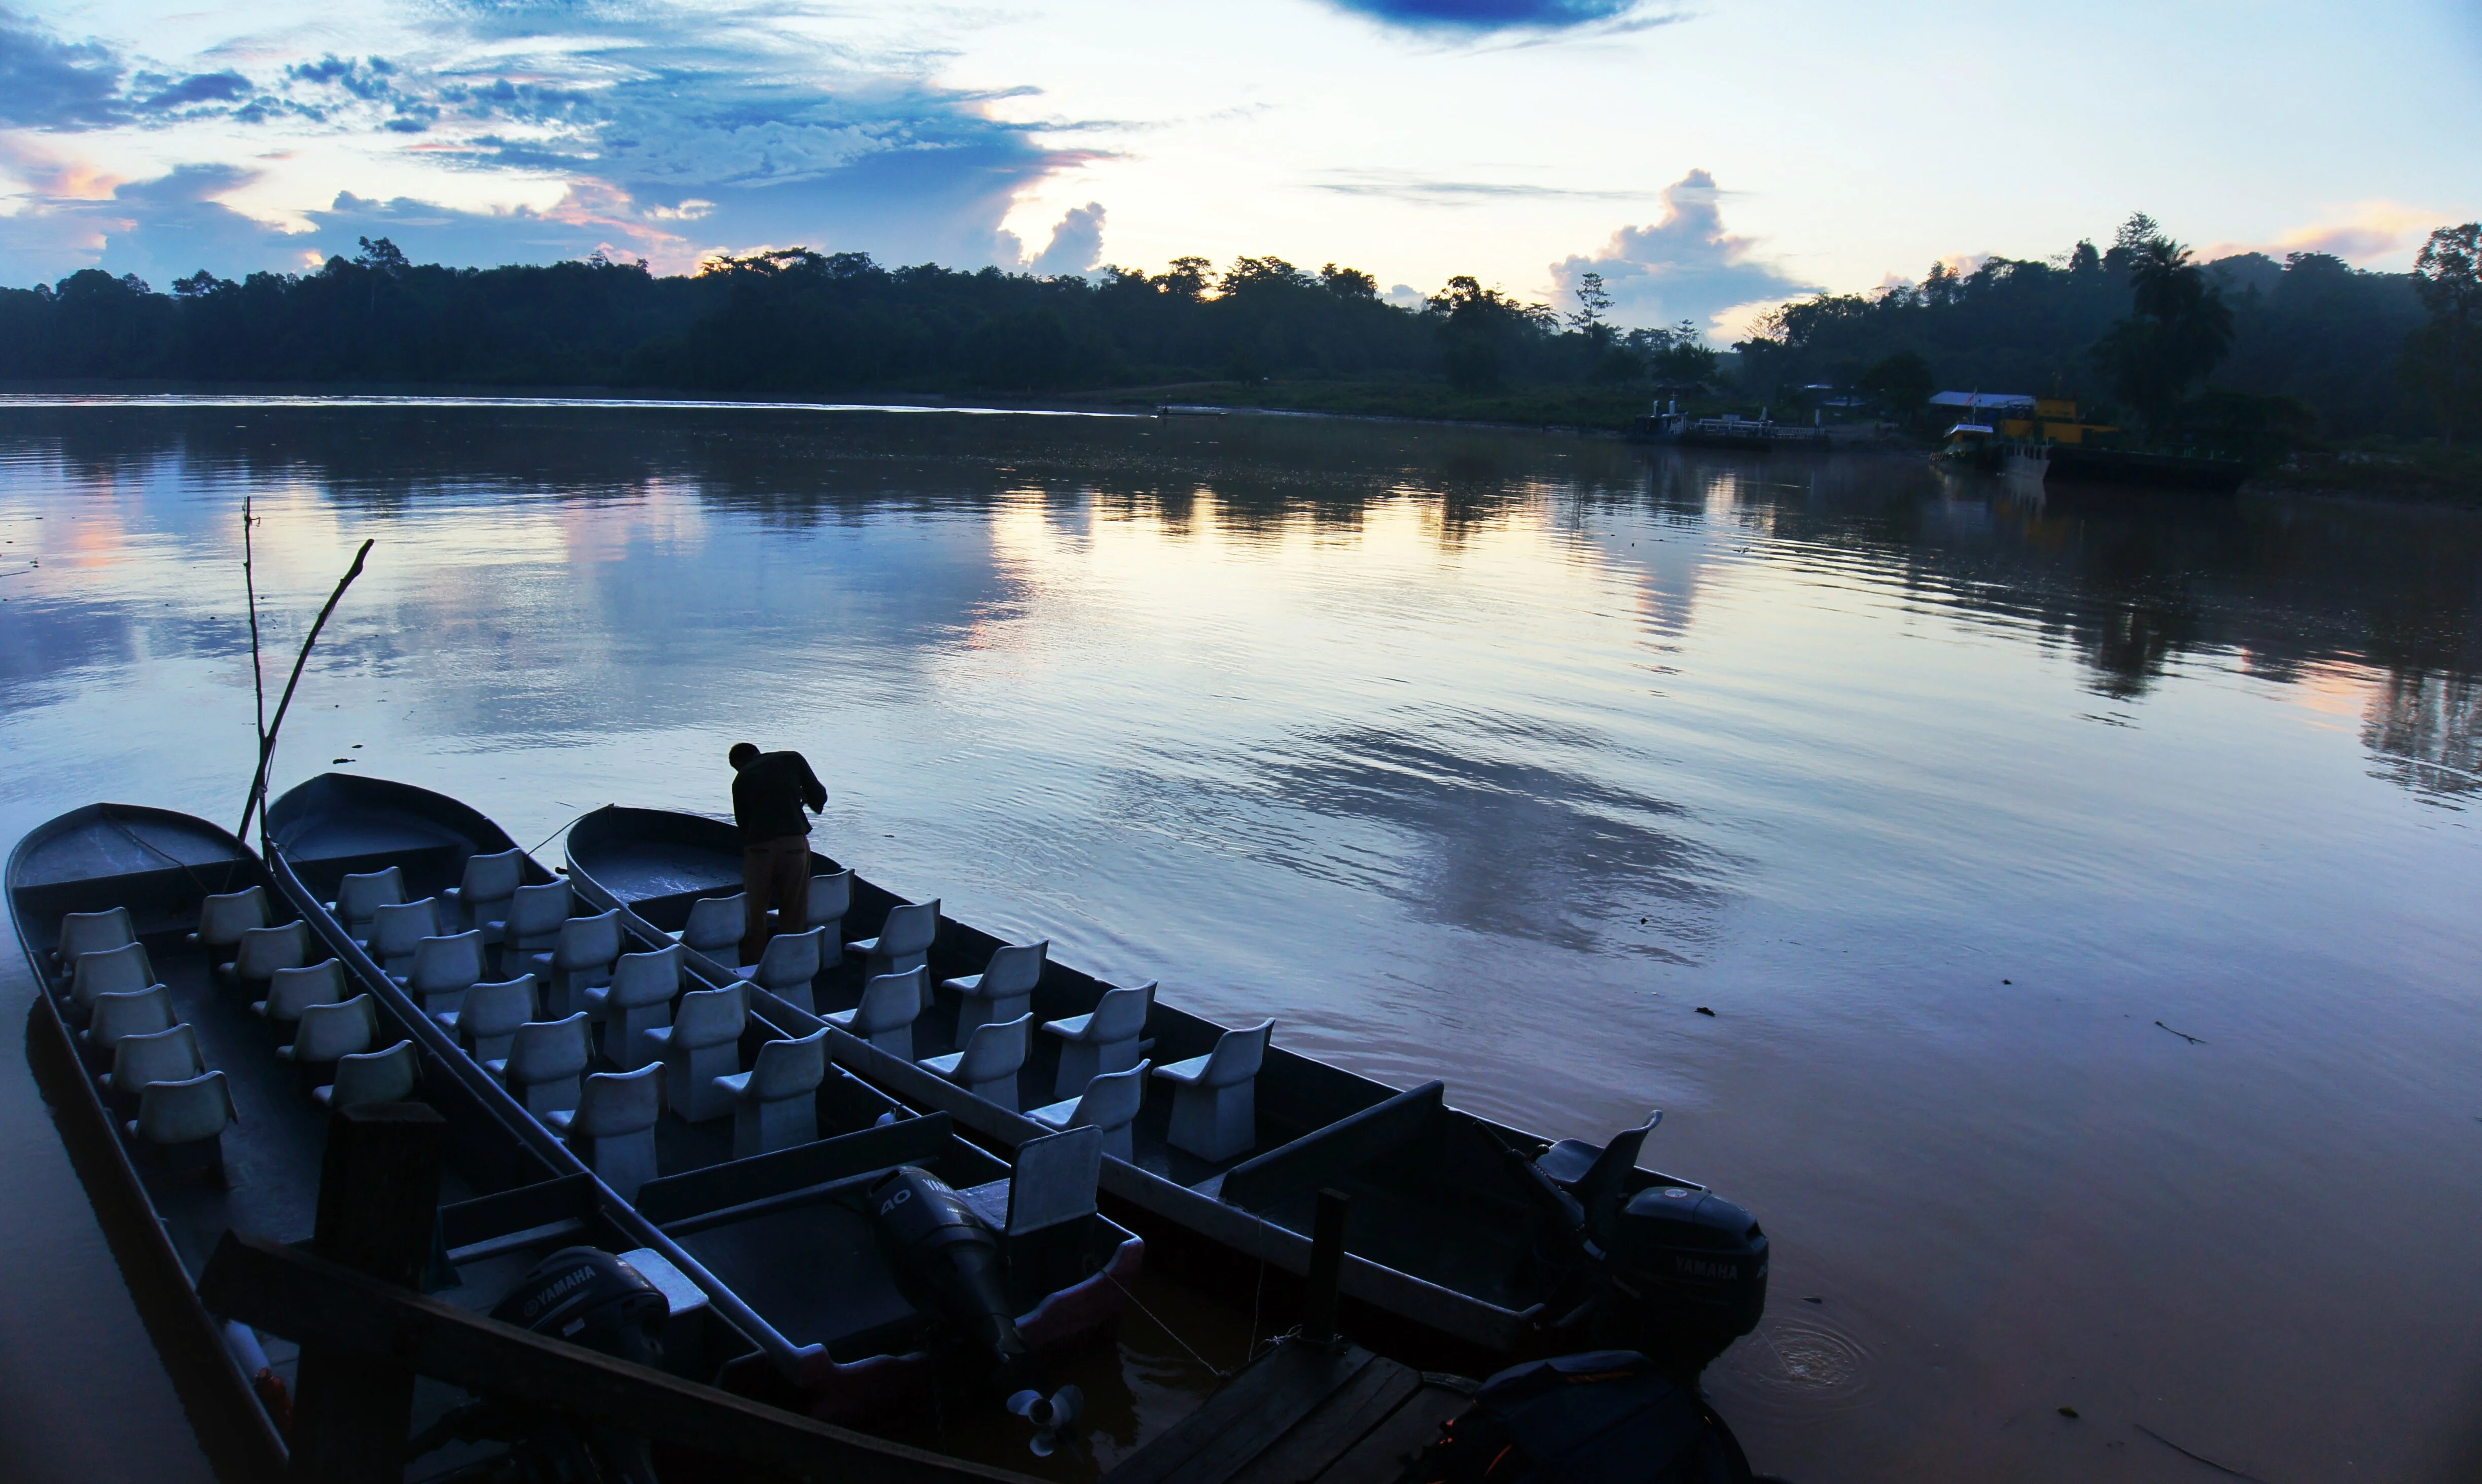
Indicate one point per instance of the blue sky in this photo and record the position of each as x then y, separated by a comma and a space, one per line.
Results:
1710, 160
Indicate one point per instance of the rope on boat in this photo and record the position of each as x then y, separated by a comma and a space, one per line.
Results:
1213, 1369
555, 834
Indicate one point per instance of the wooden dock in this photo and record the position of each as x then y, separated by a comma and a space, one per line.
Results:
1303, 1413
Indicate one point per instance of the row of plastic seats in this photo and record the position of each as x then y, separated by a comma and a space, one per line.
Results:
327, 1029
610, 1117
155, 1061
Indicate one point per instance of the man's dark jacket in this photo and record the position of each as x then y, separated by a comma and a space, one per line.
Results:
768, 796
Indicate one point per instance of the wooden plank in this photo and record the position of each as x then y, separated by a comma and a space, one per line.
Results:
305, 1298
1275, 1380
379, 1208
1342, 1146
1254, 1432
1381, 1456
1340, 1422
739, 1182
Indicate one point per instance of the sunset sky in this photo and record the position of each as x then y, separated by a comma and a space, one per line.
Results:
1710, 160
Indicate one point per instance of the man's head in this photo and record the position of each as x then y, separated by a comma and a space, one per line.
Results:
741, 755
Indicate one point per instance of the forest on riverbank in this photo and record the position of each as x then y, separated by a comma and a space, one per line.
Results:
2305, 352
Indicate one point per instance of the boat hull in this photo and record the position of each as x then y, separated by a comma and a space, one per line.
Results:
654, 864
337, 823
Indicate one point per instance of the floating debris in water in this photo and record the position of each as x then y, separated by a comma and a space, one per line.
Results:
2068, 1413
1703, 1011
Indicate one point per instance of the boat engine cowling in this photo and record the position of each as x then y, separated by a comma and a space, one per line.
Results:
1694, 1253
949, 1262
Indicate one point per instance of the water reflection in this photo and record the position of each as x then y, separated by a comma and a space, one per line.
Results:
1492, 756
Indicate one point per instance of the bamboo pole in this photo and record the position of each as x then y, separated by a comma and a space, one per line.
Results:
267, 746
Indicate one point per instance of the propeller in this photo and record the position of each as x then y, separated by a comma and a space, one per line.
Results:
1054, 1416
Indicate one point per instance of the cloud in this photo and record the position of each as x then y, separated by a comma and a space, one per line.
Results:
50, 84
1683, 267
2365, 234
1487, 15
1077, 242
667, 129
1405, 185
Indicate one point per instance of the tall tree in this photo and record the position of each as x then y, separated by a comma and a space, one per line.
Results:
2178, 330
1593, 302
2448, 277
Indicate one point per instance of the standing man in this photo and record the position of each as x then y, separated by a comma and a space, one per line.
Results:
769, 789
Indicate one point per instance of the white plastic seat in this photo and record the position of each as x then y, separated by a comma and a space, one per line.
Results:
89, 932
136, 1013
581, 957
988, 1065
482, 895
373, 1077
359, 897
491, 1015
535, 917
1110, 1103
612, 1127
1214, 1097
188, 1111
638, 999
702, 1044
397, 930
776, 1101
168, 1055
333, 1030
891, 1004
291, 991
546, 1059
1005, 988
830, 898
121, 970
1100, 1041
791, 961
262, 950
904, 940
225, 917
715, 926
443, 969
327, 1033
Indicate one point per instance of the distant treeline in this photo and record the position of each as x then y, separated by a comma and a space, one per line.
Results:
798, 322
2333, 350
2310, 347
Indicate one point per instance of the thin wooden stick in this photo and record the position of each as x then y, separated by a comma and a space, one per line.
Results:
257, 673
267, 748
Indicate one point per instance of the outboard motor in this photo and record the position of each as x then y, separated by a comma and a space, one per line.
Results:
1675, 1272
587, 1298
949, 1262
1692, 1254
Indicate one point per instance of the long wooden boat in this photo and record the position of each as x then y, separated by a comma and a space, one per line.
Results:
808, 1306
1469, 1243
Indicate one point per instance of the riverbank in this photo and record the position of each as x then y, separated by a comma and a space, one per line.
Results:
2416, 473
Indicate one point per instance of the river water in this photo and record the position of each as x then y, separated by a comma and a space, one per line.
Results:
2087, 891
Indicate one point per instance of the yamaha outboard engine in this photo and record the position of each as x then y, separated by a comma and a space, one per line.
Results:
949, 1263
1694, 1256
1675, 1272
588, 1297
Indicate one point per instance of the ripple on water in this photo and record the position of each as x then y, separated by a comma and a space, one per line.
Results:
1794, 1371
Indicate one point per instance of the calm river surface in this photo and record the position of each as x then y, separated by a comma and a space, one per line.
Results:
1485, 755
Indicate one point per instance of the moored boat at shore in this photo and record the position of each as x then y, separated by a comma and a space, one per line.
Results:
757, 1196
1470, 1243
